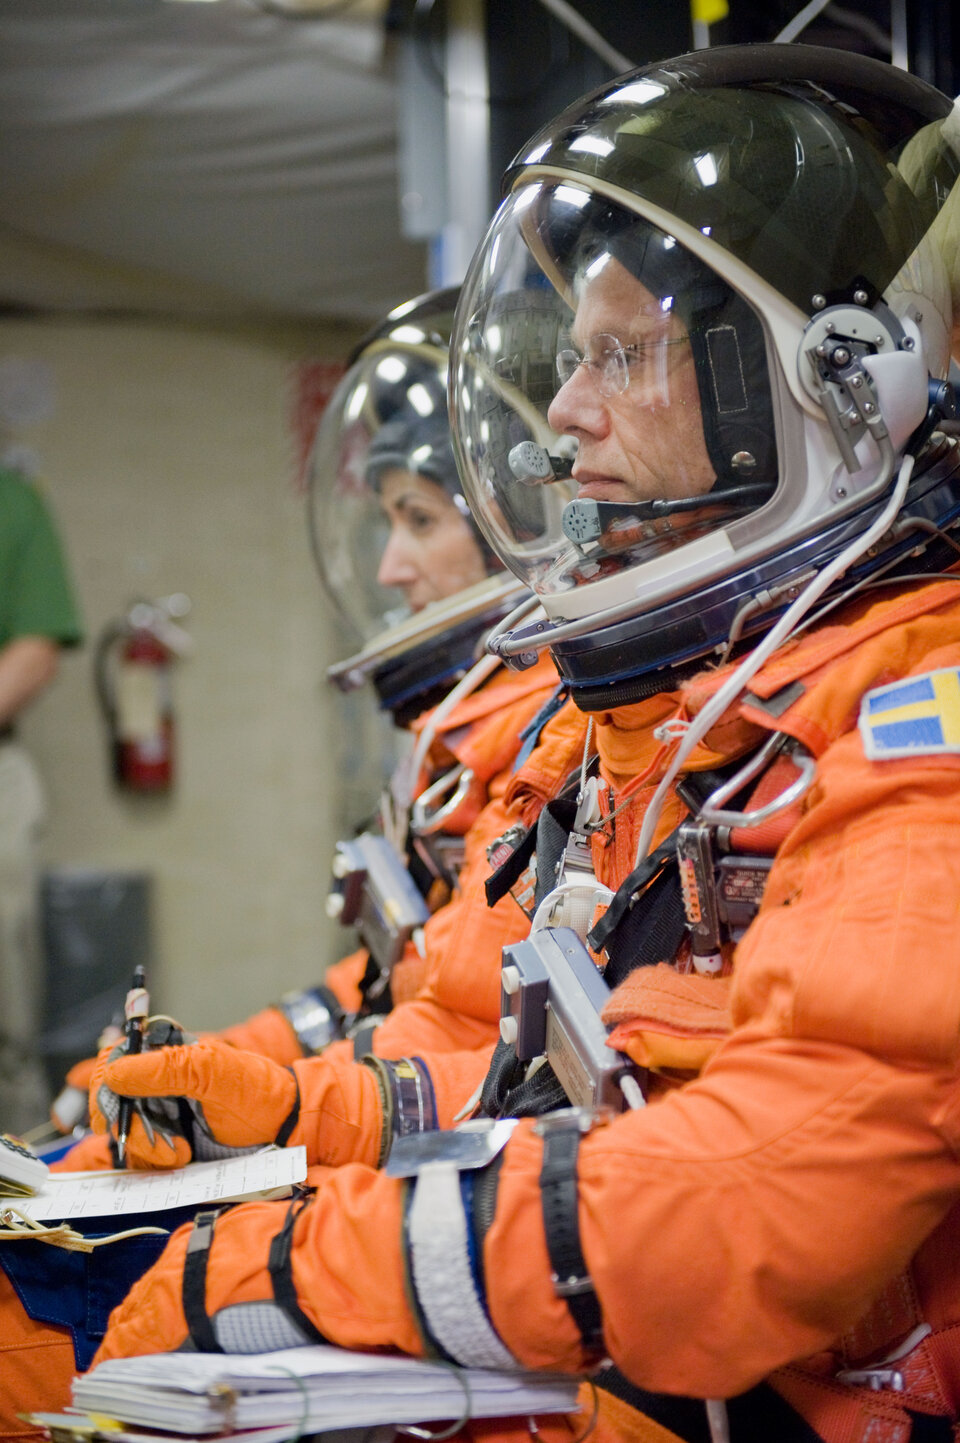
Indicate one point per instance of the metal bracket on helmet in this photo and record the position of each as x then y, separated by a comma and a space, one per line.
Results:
835, 345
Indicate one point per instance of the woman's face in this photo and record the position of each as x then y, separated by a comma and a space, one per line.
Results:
431, 552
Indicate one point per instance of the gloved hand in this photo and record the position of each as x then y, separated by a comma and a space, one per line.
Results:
231, 1100
90, 1154
267, 1032
195, 1099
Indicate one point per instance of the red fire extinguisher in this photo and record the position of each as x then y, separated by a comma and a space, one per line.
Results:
133, 663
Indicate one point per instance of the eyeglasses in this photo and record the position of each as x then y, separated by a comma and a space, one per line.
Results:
613, 366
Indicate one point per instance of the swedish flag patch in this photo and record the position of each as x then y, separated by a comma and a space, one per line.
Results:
917, 717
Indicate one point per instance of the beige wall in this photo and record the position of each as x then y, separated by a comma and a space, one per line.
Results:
168, 459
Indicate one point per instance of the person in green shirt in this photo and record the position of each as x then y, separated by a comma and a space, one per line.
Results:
38, 617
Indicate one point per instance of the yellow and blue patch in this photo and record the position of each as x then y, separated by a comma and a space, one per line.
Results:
917, 717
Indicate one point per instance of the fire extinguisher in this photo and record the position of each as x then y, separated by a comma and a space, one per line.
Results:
132, 665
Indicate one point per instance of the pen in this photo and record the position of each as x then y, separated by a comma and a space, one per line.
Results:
135, 1009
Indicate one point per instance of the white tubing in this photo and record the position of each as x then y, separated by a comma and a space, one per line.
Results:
727, 694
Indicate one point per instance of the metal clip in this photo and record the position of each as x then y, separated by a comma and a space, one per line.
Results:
873, 1378
713, 813
448, 792
881, 1375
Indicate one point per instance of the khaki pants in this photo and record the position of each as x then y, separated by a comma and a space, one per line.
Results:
24, 1095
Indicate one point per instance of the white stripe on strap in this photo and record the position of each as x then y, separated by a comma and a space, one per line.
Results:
442, 1276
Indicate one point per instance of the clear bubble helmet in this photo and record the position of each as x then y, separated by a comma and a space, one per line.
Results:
398, 552
692, 272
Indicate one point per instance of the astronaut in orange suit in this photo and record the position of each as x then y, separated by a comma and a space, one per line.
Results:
404, 563
747, 579
416, 584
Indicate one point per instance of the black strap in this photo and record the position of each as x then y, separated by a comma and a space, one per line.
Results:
554, 826
548, 844
629, 890
194, 1287
376, 994
558, 1197
363, 1037
498, 884
651, 931
293, 1116
281, 1273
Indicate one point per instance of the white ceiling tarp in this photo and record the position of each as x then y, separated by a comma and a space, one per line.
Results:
198, 159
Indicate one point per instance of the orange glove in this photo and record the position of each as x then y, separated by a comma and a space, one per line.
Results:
244, 1100
80, 1073
90, 1154
238, 1100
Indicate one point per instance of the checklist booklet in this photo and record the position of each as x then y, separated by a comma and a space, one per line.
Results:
77, 1195
311, 1389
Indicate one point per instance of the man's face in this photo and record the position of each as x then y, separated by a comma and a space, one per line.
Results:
645, 442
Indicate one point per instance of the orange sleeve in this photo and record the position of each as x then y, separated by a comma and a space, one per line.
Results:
347, 1269
735, 1226
344, 978
268, 1033
746, 1219
341, 1111
465, 938
425, 1026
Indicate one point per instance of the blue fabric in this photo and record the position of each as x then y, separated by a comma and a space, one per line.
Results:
917, 733
531, 732
78, 1291
54, 1151
903, 693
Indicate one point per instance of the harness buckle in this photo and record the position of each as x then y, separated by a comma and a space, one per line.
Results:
881, 1375
875, 1379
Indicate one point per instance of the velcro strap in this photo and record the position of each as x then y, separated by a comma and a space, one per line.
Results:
561, 1225
293, 1116
554, 825
651, 931
280, 1268
194, 1287
411, 1090
442, 1272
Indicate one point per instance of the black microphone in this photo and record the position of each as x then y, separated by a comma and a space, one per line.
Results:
629, 521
